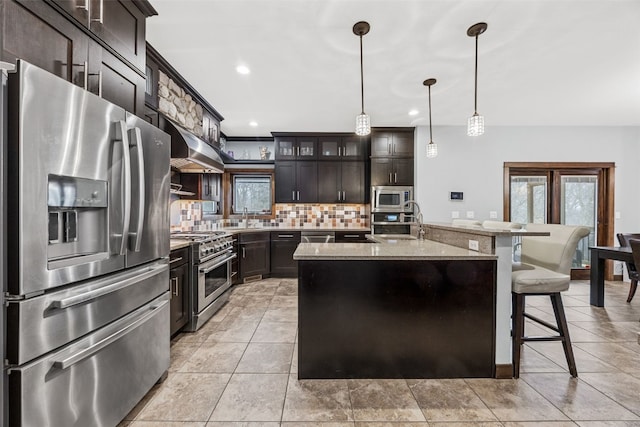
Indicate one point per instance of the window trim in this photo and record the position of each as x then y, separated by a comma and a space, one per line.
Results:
227, 182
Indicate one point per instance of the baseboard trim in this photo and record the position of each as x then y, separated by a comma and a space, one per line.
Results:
504, 371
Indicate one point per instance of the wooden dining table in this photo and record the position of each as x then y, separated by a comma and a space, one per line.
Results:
598, 256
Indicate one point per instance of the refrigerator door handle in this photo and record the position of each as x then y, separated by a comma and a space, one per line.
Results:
93, 349
126, 185
135, 137
108, 289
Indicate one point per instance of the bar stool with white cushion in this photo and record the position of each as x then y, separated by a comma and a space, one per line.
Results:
545, 270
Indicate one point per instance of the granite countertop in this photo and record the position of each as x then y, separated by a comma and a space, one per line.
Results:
178, 244
481, 231
390, 250
236, 230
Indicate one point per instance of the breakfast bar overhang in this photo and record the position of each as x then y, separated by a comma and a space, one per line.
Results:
404, 309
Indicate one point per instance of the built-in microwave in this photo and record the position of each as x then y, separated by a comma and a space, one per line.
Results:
392, 198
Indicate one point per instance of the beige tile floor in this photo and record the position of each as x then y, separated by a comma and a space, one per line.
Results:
240, 370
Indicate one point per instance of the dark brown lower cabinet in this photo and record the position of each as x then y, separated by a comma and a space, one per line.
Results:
254, 255
283, 245
352, 236
178, 285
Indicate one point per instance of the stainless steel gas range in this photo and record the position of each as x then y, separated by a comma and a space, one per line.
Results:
211, 256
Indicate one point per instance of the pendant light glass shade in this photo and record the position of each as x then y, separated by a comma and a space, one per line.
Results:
363, 123
475, 124
432, 150
432, 147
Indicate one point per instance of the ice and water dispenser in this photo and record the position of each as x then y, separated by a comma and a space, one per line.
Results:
78, 217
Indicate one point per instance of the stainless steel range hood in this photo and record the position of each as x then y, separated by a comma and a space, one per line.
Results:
189, 153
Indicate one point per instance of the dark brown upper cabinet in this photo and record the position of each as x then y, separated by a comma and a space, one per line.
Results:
341, 182
392, 142
296, 147
119, 23
336, 147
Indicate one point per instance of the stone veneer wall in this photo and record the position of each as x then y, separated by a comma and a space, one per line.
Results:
178, 105
186, 215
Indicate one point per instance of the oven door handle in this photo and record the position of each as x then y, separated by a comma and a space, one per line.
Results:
93, 349
105, 290
217, 264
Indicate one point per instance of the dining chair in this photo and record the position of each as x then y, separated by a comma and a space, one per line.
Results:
545, 270
623, 239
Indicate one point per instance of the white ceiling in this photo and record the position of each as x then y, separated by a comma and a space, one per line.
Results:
541, 62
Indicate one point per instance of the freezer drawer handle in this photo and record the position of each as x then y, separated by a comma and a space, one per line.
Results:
136, 237
93, 349
105, 290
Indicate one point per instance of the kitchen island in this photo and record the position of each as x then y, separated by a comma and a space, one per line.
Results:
400, 309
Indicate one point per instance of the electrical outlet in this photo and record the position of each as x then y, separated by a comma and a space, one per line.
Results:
455, 214
473, 245
618, 216
470, 214
493, 214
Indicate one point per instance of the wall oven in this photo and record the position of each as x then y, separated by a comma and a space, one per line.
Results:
391, 198
386, 223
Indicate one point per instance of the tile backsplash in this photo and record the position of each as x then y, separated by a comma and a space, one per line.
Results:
186, 215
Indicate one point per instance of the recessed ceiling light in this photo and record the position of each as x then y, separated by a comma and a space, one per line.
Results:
243, 69
253, 124
413, 112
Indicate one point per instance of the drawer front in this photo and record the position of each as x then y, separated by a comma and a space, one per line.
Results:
351, 236
96, 381
290, 236
261, 236
39, 325
178, 257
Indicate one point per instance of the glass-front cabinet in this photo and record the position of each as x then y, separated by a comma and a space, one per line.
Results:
296, 148
341, 147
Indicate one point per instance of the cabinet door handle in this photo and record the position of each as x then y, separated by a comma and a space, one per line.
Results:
175, 260
351, 236
390, 180
339, 151
244, 253
394, 149
338, 196
298, 193
344, 196
285, 236
174, 286
100, 18
388, 148
395, 177
298, 152
85, 6
86, 69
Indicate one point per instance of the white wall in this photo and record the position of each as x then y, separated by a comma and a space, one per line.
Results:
474, 165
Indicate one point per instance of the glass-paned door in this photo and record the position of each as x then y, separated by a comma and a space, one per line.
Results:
579, 206
529, 199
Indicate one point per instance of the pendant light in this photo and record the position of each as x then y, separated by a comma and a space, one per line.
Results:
432, 147
363, 123
475, 124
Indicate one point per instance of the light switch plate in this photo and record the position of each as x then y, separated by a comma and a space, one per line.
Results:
493, 214
471, 214
473, 245
618, 216
455, 214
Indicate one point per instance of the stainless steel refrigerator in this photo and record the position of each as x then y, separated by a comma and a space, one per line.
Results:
87, 316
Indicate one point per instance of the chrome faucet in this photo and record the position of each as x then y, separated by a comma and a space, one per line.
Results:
418, 217
245, 215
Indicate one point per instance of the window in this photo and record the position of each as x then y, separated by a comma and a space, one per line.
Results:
252, 192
